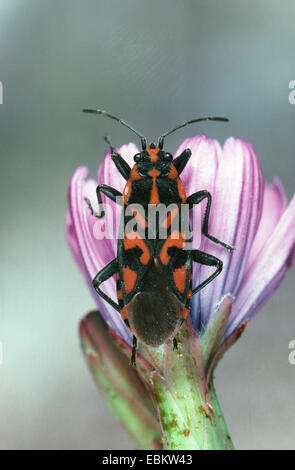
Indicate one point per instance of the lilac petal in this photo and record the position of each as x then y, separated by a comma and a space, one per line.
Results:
267, 271
108, 172
73, 242
75, 249
200, 173
274, 204
95, 253
235, 215
110, 175
94, 256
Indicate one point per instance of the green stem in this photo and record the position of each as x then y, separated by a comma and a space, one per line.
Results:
219, 415
188, 409
189, 420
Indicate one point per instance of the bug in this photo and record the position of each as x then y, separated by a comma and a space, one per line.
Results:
154, 275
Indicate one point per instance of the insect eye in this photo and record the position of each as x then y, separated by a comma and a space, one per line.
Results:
168, 157
137, 157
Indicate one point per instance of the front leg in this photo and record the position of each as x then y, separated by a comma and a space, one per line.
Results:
120, 163
112, 193
196, 198
181, 161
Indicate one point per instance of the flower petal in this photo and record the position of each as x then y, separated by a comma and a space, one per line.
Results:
267, 271
235, 215
274, 204
95, 253
108, 172
200, 173
73, 242
110, 175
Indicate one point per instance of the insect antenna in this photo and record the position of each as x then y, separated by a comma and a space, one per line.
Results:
186, 123
107, 139
120, 121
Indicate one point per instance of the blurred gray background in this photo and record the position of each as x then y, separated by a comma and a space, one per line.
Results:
154, 64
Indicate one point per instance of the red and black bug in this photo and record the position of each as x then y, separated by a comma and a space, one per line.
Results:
154, 275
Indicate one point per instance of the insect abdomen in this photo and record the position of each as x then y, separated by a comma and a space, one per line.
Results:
155, 312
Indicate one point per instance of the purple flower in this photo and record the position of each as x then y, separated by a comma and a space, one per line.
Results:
247, 213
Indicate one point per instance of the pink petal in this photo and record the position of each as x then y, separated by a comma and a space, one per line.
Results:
95, 253
75, 249
274, 204
267, 271
108, 172
73, 242
110, 175
235, 215
200, 173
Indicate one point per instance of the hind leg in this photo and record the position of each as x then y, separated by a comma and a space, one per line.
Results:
207, 260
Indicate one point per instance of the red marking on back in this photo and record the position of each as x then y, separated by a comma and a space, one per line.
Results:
134, 175
127, 191
181, 190
119, 294
129, 278
175, 239
132, 240
139, 217
153, 153
154, 173
179, 277
154, 198
173, 172
170, 218
124, 313
184, 313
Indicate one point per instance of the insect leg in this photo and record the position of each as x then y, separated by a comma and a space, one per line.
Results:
208, 260
196, 198
133, 354
102, 276
181, 161
110, 192
120, 163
